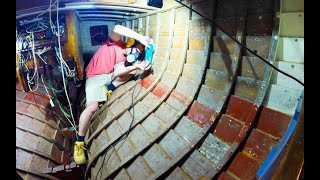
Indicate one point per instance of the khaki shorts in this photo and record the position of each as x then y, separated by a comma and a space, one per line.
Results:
95, 87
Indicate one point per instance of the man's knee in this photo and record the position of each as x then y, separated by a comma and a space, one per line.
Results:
92, 107
121, 80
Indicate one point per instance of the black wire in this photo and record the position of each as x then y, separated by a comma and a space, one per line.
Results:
123, 137
242, 45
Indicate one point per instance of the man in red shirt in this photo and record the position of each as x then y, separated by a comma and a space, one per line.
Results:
106, 64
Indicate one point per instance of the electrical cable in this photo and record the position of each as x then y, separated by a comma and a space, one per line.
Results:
36, 68
63, 79
242, 45
59, 104
47, 8
127, 133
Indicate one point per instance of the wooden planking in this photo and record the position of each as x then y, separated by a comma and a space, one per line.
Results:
220, 62
244, 167
273, 122
216, 79
139, 170
283, 99
247, 88
201, 114
292, 6
156, 158
252, 67
294, 69
211, 97
197, 165
290, 49
223, 44
213, 148
260, 44
178, 174
193, 72
187, 129
196, 58
228, 128
39, 142
292, 24
187, 87
259, 144
199, 27
259, 25
173, 144
181, 16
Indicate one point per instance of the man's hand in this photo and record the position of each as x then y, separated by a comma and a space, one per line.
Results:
144, 65
146, 40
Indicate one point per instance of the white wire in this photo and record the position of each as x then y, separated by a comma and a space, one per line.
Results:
64, 83
42, 59
69, 73
41, 52
36, 68
45, 87
41, 28
49, 8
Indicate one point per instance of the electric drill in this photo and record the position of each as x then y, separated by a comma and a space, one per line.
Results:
149, 53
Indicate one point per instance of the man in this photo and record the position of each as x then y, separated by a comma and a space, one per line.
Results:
106, 64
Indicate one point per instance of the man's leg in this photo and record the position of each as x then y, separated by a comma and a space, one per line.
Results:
121, 80
116, 83
85, 118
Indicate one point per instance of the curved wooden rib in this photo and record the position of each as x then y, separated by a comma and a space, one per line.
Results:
40, 144
43, 175
45, 122
235, 65
136, 100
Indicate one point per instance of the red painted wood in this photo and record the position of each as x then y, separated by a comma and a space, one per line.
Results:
259, 145
39, 100
239, 108
64, 158
56, 153
244, 167
201, 114
160, 90
180, 97
21, 107
225, 176
147, 81
273, 122
228, 128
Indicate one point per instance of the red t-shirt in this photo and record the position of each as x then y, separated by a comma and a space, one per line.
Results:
103, 61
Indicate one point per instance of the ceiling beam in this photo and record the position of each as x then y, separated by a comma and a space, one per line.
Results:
84, 6
127, 13
102, 16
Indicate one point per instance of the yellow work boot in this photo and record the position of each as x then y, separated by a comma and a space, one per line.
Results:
78, 155
108, 92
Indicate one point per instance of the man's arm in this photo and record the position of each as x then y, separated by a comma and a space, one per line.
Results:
124, 31
122, 71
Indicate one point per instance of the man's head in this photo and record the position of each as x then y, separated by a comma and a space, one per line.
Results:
134, 50
133, 46
115, 36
